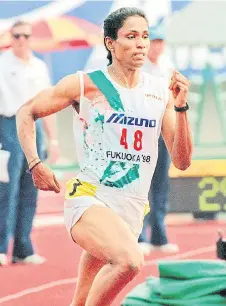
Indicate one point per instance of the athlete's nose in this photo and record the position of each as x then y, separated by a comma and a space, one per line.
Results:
141, 43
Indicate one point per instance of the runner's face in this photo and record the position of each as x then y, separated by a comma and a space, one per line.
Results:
131, 46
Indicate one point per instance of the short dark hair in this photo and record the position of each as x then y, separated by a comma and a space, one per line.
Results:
19, 23
115, 21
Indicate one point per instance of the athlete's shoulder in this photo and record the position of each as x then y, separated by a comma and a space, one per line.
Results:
92, 75
87, 74
92, 71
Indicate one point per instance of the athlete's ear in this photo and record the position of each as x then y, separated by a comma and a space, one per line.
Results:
109, 42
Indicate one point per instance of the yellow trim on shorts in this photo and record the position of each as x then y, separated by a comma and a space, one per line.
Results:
214, 167
76, 188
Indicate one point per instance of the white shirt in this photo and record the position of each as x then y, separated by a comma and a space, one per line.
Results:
20, 81
117, 139
163, 68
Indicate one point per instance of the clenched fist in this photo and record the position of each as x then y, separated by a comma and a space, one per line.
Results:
179, 86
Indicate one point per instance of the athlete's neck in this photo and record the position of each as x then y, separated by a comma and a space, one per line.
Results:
126, 77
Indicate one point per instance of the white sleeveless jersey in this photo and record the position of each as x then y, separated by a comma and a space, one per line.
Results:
118, 146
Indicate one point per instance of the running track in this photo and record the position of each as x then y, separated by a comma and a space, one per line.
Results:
53, 282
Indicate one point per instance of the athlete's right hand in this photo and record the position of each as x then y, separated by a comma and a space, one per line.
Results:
45, 179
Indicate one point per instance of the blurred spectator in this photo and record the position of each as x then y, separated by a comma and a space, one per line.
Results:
22, 75
158, 64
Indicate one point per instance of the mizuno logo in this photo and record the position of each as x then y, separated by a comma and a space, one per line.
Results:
127, 120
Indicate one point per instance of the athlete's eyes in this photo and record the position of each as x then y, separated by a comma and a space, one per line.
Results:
131, 36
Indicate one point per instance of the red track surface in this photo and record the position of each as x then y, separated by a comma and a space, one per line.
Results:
53, 282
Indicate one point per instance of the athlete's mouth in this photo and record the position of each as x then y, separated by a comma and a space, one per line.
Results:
140, 54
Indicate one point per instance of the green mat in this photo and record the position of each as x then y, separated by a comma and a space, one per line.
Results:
182, 283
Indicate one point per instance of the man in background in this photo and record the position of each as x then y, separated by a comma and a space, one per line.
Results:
158, 64
22, 75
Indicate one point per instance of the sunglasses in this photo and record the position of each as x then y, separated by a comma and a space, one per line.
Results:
17, 36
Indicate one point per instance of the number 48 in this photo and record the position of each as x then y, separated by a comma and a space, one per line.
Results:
137, 143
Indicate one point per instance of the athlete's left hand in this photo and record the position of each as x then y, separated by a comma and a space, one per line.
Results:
179, 86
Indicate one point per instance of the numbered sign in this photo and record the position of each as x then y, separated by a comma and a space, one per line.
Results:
211, 188
205, 194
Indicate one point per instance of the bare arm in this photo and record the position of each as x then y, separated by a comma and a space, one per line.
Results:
176, 129
45, 103
53, 148
49, 122
50, 127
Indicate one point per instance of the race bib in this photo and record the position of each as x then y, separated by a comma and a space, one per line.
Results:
127, 139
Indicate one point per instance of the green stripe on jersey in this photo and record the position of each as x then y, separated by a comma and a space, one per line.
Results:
113, 97
107, 89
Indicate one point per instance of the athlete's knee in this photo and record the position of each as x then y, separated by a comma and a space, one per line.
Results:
130, 262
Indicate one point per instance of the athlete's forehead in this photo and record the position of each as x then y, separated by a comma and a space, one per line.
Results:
135, 24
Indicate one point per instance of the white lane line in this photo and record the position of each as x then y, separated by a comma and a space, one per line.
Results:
60, 282
40, 288
188, 254
48, 220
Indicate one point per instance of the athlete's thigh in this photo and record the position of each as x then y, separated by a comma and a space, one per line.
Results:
102, 233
